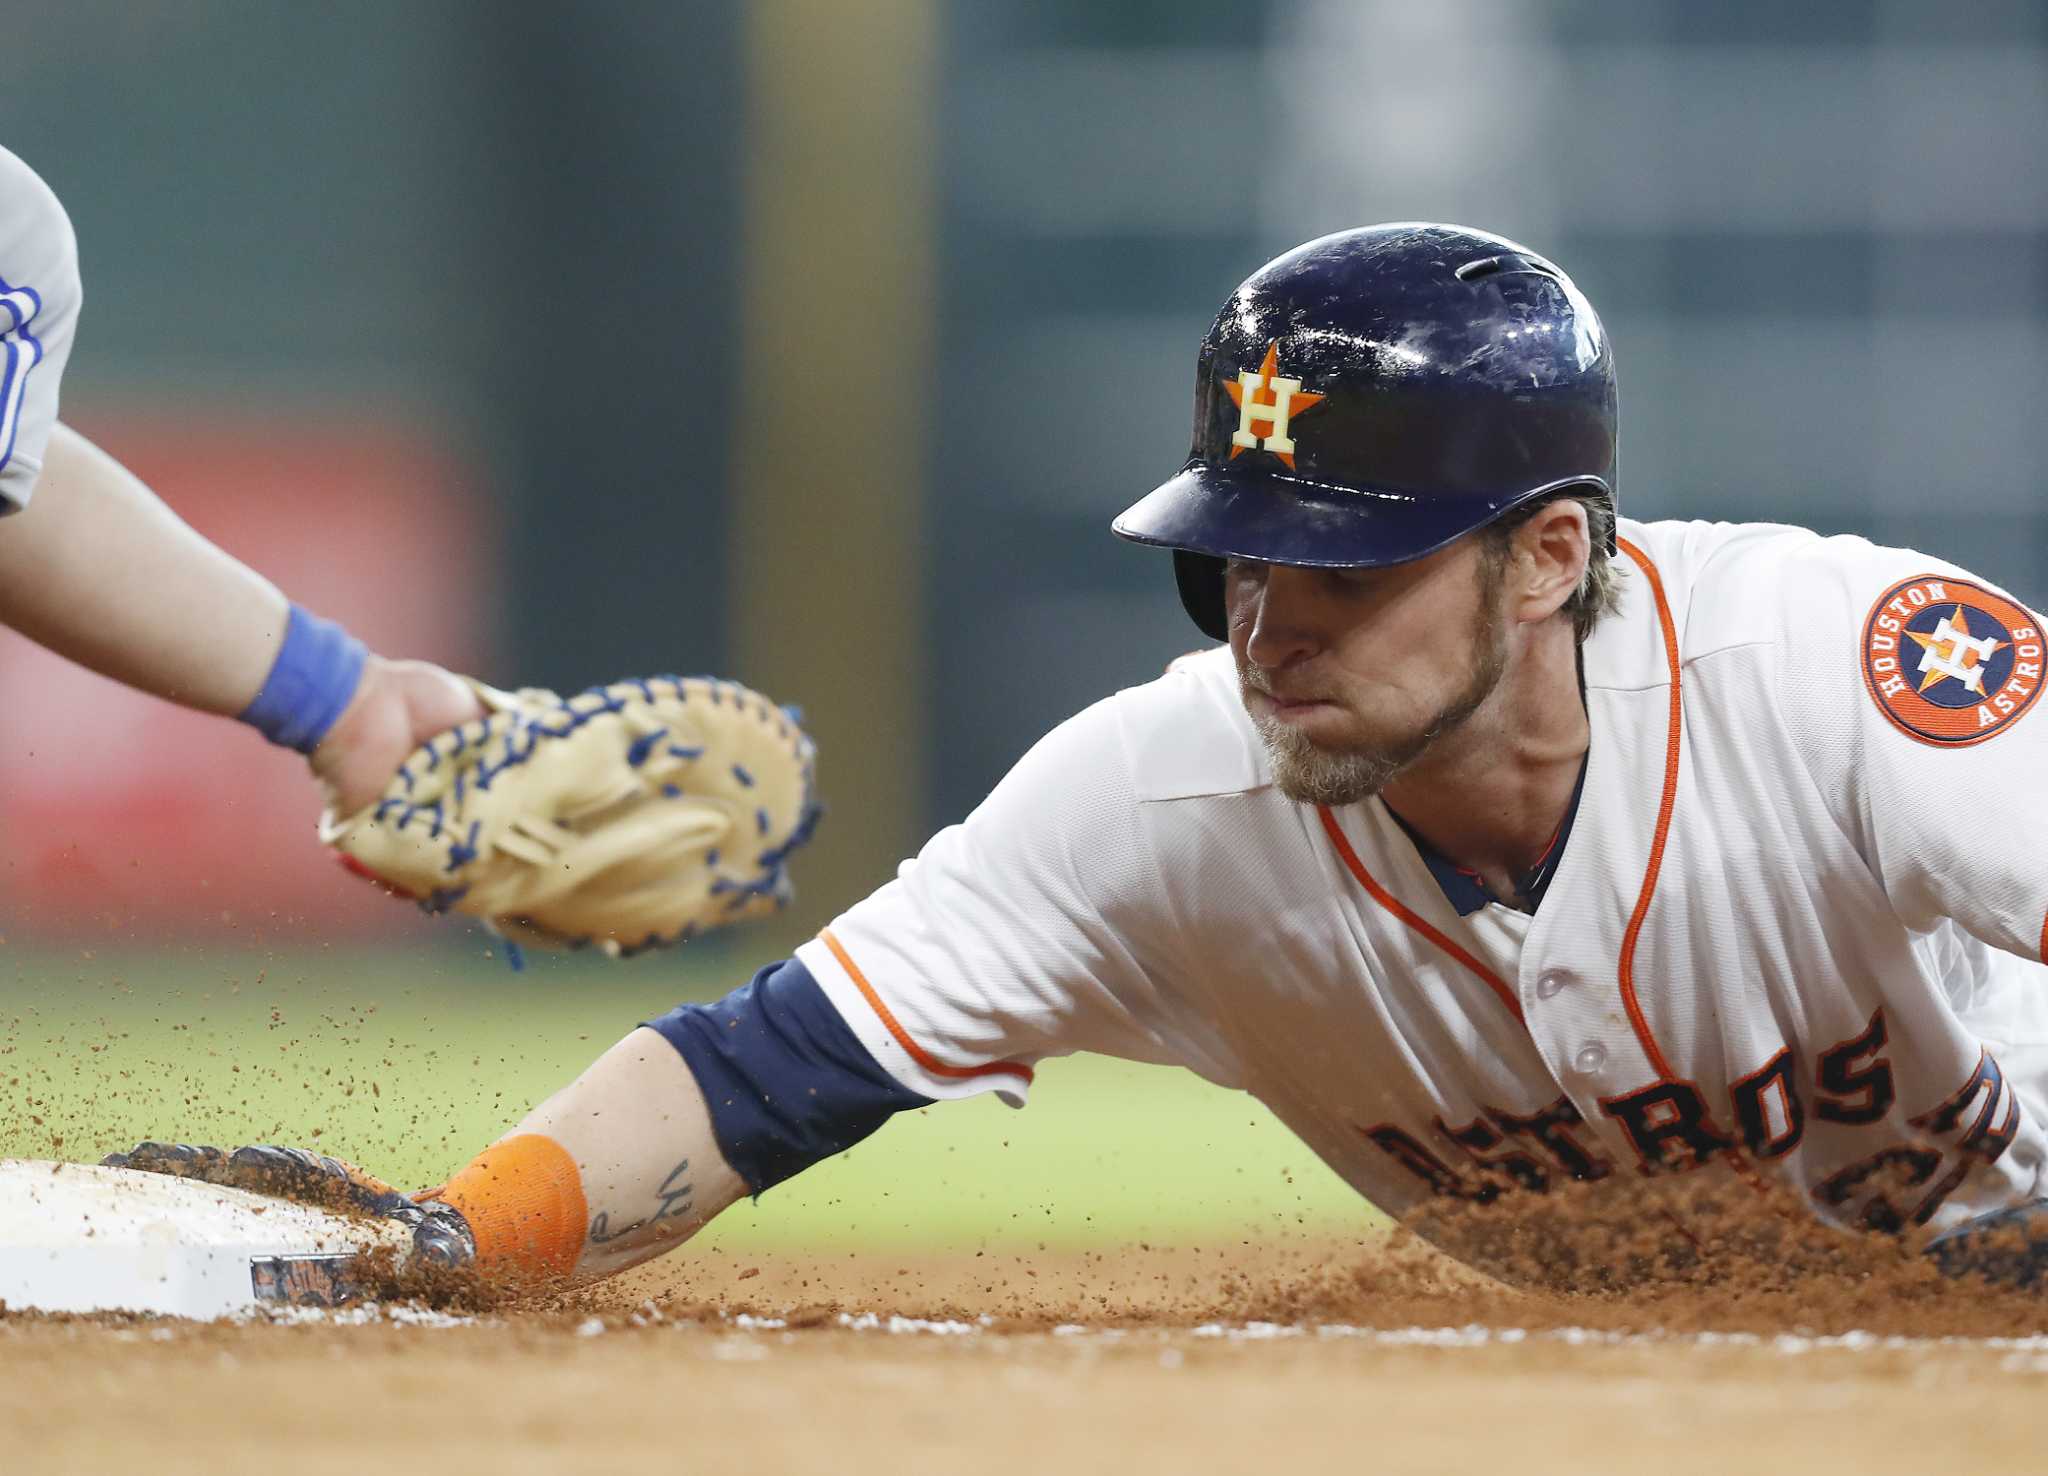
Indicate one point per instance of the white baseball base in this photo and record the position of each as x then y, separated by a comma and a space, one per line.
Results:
81, 1238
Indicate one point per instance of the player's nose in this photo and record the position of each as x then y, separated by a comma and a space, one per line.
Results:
1280, 613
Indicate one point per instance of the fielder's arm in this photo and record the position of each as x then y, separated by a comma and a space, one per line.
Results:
99, 570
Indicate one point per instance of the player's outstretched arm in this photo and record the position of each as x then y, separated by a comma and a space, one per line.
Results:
712, 1101
920, 993
616, 1168
99, 570
686, 1115
681, 1118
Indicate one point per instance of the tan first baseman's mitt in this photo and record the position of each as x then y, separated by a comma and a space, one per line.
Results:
627, 817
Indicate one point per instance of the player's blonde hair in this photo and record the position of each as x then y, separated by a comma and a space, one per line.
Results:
1599, 591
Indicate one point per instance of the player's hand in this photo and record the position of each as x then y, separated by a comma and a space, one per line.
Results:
439, 1232
398, 705
2007, 1247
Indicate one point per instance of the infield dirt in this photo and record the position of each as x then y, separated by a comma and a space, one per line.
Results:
1145, 1359
1050, 1314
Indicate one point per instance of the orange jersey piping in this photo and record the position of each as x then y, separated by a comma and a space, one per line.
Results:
1387, 900
1626, 972
917, 1052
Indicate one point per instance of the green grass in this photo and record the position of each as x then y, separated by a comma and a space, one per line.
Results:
409, 1063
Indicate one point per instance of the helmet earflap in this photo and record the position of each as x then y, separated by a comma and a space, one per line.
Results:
1200, 577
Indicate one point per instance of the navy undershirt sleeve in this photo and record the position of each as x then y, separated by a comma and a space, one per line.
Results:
787, 1082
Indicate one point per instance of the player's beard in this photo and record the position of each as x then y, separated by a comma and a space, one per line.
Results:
1312, 773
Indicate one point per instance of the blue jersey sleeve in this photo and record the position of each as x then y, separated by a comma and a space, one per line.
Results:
785, 1079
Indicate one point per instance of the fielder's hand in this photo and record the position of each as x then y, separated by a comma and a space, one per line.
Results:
439, 1233
398, 705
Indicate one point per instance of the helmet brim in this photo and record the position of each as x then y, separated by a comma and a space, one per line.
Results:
1230, 514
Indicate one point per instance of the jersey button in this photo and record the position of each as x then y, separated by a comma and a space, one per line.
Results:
1591, 1057
1552, 983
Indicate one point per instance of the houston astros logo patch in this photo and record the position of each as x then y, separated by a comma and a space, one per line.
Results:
1267, 402
1950, 662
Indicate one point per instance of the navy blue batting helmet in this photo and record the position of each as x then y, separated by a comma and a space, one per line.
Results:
1373, 395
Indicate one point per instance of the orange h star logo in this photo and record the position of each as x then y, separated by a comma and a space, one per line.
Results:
1268, 399
1953, 652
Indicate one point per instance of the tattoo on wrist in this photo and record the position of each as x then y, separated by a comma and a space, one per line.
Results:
674, 1200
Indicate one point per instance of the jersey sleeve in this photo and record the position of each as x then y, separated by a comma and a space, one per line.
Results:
1912, 691
1025, 932
39, 301
784, 1079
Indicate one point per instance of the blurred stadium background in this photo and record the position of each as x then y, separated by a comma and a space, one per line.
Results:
816, 344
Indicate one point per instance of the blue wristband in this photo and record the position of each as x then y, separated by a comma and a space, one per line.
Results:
310, 683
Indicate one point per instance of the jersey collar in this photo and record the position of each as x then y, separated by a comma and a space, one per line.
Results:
1462, 887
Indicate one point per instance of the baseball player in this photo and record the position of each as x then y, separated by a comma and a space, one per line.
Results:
95, 567
1500, 843
543, 815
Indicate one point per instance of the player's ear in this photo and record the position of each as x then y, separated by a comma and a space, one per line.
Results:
1550, 554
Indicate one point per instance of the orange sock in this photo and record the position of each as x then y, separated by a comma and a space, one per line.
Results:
524, 1202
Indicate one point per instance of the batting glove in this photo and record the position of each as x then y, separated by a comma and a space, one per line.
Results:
2007, 1247
439, 1232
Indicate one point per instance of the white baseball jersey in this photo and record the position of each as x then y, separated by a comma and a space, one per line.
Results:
1797, 924
39, 299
